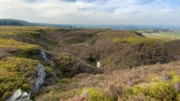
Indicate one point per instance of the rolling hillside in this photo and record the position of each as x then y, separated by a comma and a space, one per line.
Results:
60, 64
13, 22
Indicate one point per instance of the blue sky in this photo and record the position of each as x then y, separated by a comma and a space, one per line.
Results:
128, 12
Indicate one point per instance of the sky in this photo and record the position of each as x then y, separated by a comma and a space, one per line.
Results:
113, 12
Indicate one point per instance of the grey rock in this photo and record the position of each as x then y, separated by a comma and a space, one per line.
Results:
51, 63
39, 80
43, 56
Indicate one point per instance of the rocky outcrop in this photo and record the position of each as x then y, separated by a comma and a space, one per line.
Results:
36, 86
39, 80
44, 57
19, 95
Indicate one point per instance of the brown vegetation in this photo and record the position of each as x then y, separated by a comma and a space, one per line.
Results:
74, 76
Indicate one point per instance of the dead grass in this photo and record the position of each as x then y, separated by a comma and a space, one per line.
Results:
116, 82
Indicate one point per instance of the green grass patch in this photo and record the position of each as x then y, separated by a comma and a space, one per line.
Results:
162, 35
11, 43
95, 94
134, 40
161, 91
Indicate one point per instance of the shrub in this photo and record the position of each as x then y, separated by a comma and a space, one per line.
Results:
162, 90
95, 94
174, 77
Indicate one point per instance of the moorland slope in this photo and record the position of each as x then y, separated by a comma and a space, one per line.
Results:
52, 64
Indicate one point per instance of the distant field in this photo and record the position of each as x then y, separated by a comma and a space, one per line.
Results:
171, 35
164, 35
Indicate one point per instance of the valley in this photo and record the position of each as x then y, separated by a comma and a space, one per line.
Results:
39, 63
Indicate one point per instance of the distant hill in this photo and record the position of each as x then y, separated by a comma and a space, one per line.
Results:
13, 22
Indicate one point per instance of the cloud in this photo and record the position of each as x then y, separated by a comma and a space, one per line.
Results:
69, 0
93, 11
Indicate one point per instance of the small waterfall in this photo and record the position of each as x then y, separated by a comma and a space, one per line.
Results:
39, 80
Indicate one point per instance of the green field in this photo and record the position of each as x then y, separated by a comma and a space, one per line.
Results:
161, 34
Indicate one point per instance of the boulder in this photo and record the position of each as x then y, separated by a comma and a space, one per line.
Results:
15, 95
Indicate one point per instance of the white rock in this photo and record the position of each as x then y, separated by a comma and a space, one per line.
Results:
98, 64
25, 95
15, 95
